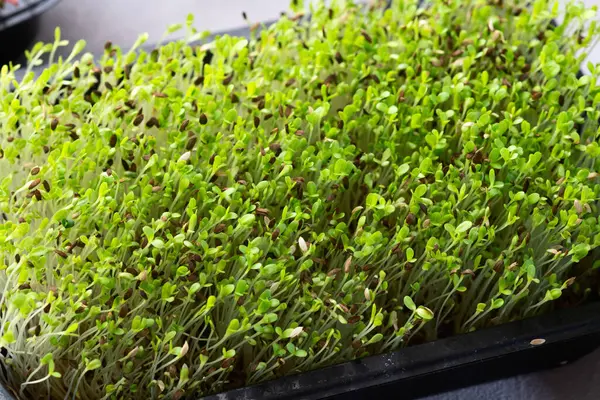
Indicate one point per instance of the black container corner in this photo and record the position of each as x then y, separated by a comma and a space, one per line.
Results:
446, 364
19, 26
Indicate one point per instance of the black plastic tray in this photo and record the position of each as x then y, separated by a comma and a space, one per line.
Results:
26, 10
18, 27
446, 364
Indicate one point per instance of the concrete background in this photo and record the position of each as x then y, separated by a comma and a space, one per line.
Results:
122, 21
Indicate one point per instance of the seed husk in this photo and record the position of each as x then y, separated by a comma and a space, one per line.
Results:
199, 80
276, 148
203, 119
220, 228
138, 120
152, 122
184, 125
191, 143
262, 211
228, 79
578, 206
275, 234
123, 311
185, 156
34, 183
499, 266
366, 36
125, 164
61, 253
347, 265
333, 272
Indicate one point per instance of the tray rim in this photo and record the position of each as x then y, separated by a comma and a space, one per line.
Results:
26, 13
558, 327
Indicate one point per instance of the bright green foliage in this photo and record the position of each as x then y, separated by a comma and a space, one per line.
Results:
174, 223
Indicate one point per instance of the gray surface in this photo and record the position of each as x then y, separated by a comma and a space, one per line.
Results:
122, 21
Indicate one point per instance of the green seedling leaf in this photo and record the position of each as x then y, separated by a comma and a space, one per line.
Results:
409, 303
463, 227
424, 313
94, 364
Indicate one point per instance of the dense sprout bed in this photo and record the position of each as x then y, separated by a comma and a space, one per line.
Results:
198, 218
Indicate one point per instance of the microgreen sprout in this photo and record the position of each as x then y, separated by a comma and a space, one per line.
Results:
207, 216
